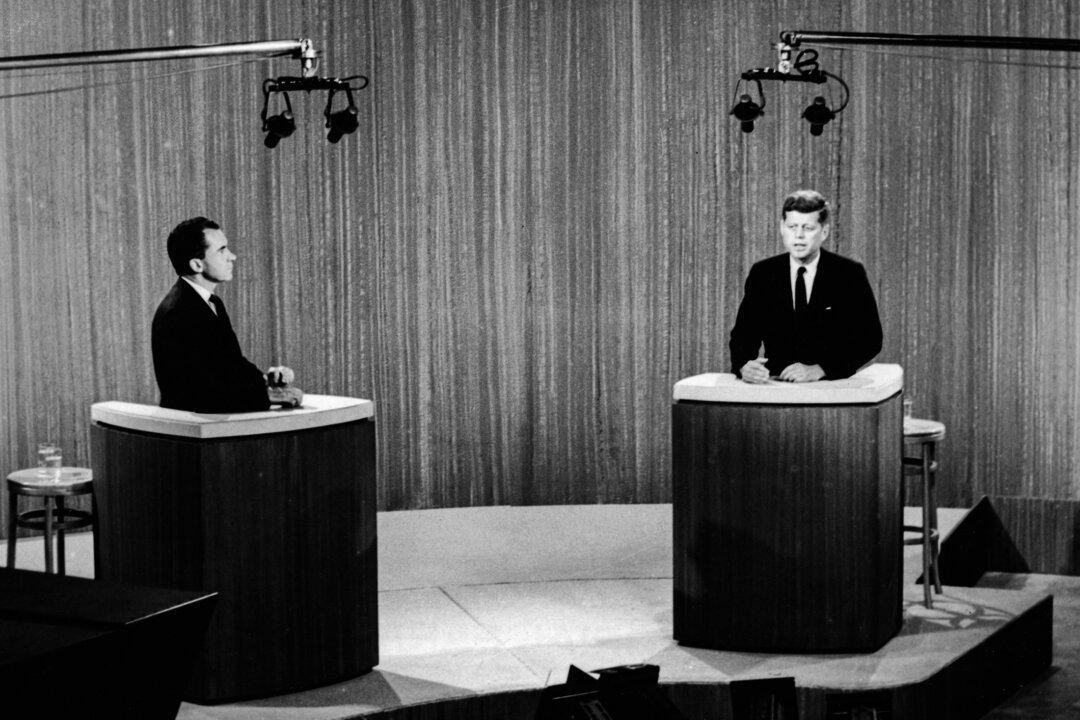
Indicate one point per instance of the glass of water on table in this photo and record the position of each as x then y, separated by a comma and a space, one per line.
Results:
50, 461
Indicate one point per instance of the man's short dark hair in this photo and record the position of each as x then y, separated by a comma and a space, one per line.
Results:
187, 241
806, 201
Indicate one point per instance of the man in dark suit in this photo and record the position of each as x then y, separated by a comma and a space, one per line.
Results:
197, 358
813, 310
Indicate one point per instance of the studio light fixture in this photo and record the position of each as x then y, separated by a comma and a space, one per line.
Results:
804, 69
746, 111
343, 122
278, 126
820, 112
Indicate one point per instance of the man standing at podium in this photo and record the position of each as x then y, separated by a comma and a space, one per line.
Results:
813, 310
197, 358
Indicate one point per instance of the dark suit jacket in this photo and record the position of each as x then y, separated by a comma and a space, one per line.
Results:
841, 332
197, 358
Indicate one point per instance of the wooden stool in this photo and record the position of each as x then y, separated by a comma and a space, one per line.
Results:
73, 481
925, 434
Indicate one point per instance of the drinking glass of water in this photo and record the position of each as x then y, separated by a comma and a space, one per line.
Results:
49, 461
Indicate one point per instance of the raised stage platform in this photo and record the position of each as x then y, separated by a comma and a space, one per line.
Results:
480, 608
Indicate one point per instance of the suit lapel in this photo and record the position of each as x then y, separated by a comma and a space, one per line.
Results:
818, 296
783, 284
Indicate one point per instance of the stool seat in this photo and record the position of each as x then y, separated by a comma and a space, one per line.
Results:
922, 430
72, 481
54, 487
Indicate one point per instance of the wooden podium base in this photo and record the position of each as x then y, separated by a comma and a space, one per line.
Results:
787, 525
281, 525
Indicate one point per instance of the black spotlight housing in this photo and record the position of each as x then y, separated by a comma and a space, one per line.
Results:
746, 111
818, 114
278, 127
343, 122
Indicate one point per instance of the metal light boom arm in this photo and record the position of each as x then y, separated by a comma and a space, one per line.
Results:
300, 49
282, 125
795, 38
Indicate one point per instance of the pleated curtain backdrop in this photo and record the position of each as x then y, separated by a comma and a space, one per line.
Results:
543, 222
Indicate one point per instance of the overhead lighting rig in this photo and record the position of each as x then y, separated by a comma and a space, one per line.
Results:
805, 66
276, 127
341, 123
803, 69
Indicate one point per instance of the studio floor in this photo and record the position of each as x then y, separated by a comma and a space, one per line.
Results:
482, 600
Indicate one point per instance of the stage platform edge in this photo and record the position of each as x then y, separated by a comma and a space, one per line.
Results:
483, 607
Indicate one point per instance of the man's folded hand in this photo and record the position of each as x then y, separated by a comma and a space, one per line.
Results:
279, 376
798, 372
285, 396
755, 371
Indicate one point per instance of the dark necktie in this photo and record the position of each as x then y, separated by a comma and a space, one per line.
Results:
800, 294
800, 314
219, 307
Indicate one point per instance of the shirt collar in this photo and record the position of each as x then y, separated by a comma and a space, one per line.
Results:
811, 267
203, 292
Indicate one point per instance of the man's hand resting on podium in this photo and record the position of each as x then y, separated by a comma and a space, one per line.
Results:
289, 397
279, 389
797, 372
755, 371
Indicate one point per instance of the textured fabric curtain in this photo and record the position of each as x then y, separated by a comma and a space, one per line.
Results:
543, 222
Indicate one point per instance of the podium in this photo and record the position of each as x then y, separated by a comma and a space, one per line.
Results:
273, 510
787, 510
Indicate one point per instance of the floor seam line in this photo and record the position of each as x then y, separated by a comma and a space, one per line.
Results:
493, 636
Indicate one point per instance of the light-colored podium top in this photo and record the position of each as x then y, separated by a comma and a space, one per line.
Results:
317, 411
872, 384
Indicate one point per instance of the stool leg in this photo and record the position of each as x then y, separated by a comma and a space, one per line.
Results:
926, 545
48, 536
96, 537
60, 559
931, 501
13, 515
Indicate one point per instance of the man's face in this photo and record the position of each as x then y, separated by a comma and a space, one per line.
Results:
216, 265
803, 234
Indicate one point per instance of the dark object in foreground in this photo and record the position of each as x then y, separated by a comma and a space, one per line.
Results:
764, 699
71, 647
627, 692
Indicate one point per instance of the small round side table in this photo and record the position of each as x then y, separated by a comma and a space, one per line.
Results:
72, 481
